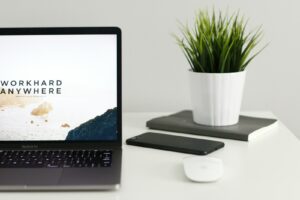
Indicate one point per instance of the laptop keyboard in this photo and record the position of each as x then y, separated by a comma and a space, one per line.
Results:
55, 158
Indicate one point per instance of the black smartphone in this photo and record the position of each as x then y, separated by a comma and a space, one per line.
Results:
175, 143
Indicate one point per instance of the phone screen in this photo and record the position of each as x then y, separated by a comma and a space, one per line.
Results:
175, 143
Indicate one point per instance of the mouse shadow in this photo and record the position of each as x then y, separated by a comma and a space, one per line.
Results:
177, 173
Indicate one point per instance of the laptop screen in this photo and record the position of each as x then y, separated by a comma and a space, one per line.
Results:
58, 87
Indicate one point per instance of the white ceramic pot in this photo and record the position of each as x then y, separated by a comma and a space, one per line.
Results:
216, 97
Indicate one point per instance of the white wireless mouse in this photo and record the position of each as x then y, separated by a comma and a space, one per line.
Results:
203, 169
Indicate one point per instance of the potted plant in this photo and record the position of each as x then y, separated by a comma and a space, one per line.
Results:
218, 50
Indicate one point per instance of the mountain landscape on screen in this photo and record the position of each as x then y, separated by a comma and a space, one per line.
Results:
103, 127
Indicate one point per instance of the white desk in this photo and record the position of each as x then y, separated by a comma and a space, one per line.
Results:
267, 168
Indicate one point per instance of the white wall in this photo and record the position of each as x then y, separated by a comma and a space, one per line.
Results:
154, 68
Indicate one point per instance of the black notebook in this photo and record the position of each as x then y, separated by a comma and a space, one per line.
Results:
244, 130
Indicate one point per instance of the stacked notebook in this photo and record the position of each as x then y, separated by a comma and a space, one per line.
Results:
246, 129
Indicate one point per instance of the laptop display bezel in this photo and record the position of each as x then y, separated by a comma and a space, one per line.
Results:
63, 144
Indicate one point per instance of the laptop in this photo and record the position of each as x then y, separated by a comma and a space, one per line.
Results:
60, 108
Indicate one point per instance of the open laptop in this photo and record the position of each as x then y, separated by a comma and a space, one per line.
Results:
60, 108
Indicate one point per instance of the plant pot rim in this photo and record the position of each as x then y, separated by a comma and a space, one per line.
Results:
214, 73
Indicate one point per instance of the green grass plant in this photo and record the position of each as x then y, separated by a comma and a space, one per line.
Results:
219, 43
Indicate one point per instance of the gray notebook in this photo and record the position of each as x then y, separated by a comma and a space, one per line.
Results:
182, 122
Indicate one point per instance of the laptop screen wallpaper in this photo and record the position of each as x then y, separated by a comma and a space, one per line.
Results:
58, 87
